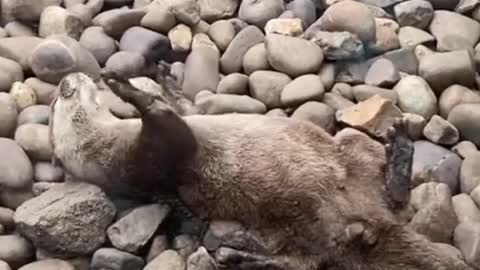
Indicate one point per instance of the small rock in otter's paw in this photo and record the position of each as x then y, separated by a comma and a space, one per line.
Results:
114, 259
48, 264
201, 260
126, 236
15, 250
36, 114
169, 259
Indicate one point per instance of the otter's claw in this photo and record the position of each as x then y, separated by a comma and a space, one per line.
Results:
399, 157
128, 93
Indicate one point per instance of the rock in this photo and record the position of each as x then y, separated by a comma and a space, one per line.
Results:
4, 266
134, 230
127, 64
382, 73
169, 259
57, 20
232, 58
260, 12
17, 171
364, 92
302, 89
344, 90
60, 55
411, 37
267, 86
460, 70
11, 72
114, 259
455, 95
303, 9
100, 45
159, 20
336, 102
218, 230
416, 96
19, 49
217, 9
464, 149
284, 26
153, 46
180, 38
454, 31
228, 103
344, 16
15, 250
25, 10
466, 238
44, 91
201, 71
48, 264
465, 208
36, 114
159, 245
234, 83
84, 206
256, 59
23, 95
308, 60
6, 218
339, 45
374, 115
466, 6
8, 115
116, 21
222, 33
440, 131
386, 36
465, 118
46, 172
415, 125
436, 217
13, 198
327, 75
317, 113
475, 195
201, 260
34, 139
447, 171
185, 245
416, 13
186, 11
404, 60
40, 187
202, 40
470, 173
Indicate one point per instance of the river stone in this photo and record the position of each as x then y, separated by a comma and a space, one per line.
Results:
4, 266
114, 259
222, 33
6, 218
34, 139
231, 60
426, 158
302, 89
267, 86
25, 10
256, 59
464, 149
48, 264
213, 10
308, 59
465, 208
160, 243
180, 38
17, 171
127, 64
382, 73
44, 91
15, 250
23, 95
234, 83
303, 9
8, 115
404, 60
169, 259
260, 12
46, 172
201, 260
467, 238
344, 90
11, 72
153, 46
284, 26
336, 101
415, 125
85, 207
339, 45
57, 20
466, 118
116, 21
203, 40
159, 20
185, 245
416, 13
19, 49
470, 173
454, 31
455, 95
134, 230
201, 71
440, 131
416, 96
411, 37
386, 36
344, 16
363, 92
36, 114
95, 40
317, 113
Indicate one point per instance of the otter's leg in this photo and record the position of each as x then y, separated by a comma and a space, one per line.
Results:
399, 156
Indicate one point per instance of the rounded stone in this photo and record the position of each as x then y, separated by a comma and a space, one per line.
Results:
25, 10
318, 113
17, 29
23, 95
180, 38
234, 83
15, 250
4, 266
327, 75
382, 73
8, 115
440, 131
159, 20
466, 118
44, 91
46, 172
57, 20
34, 139
36, 114
260, 12
201, 71
16, 168
95, 40
470, 173
222, 33
10, 72
256, 59
305, 10
416, 96
48, 264
212, 10
455, 95
302, 89
126, 64
267, 86
116, 21
228, 103
152, 45
416, 13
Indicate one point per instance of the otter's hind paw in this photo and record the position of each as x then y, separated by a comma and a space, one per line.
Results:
399, 156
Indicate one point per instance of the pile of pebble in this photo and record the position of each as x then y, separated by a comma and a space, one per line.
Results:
335, 63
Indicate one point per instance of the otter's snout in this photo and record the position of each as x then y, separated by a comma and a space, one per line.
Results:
66, 89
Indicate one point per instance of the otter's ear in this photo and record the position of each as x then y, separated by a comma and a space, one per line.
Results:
360, 233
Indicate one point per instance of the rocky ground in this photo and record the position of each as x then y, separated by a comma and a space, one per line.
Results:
335, 63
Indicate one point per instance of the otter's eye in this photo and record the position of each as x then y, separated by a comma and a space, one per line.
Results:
66, 89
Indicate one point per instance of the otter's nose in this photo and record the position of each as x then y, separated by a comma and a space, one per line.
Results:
66, 88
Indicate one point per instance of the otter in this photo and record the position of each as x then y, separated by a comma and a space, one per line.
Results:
308, 200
